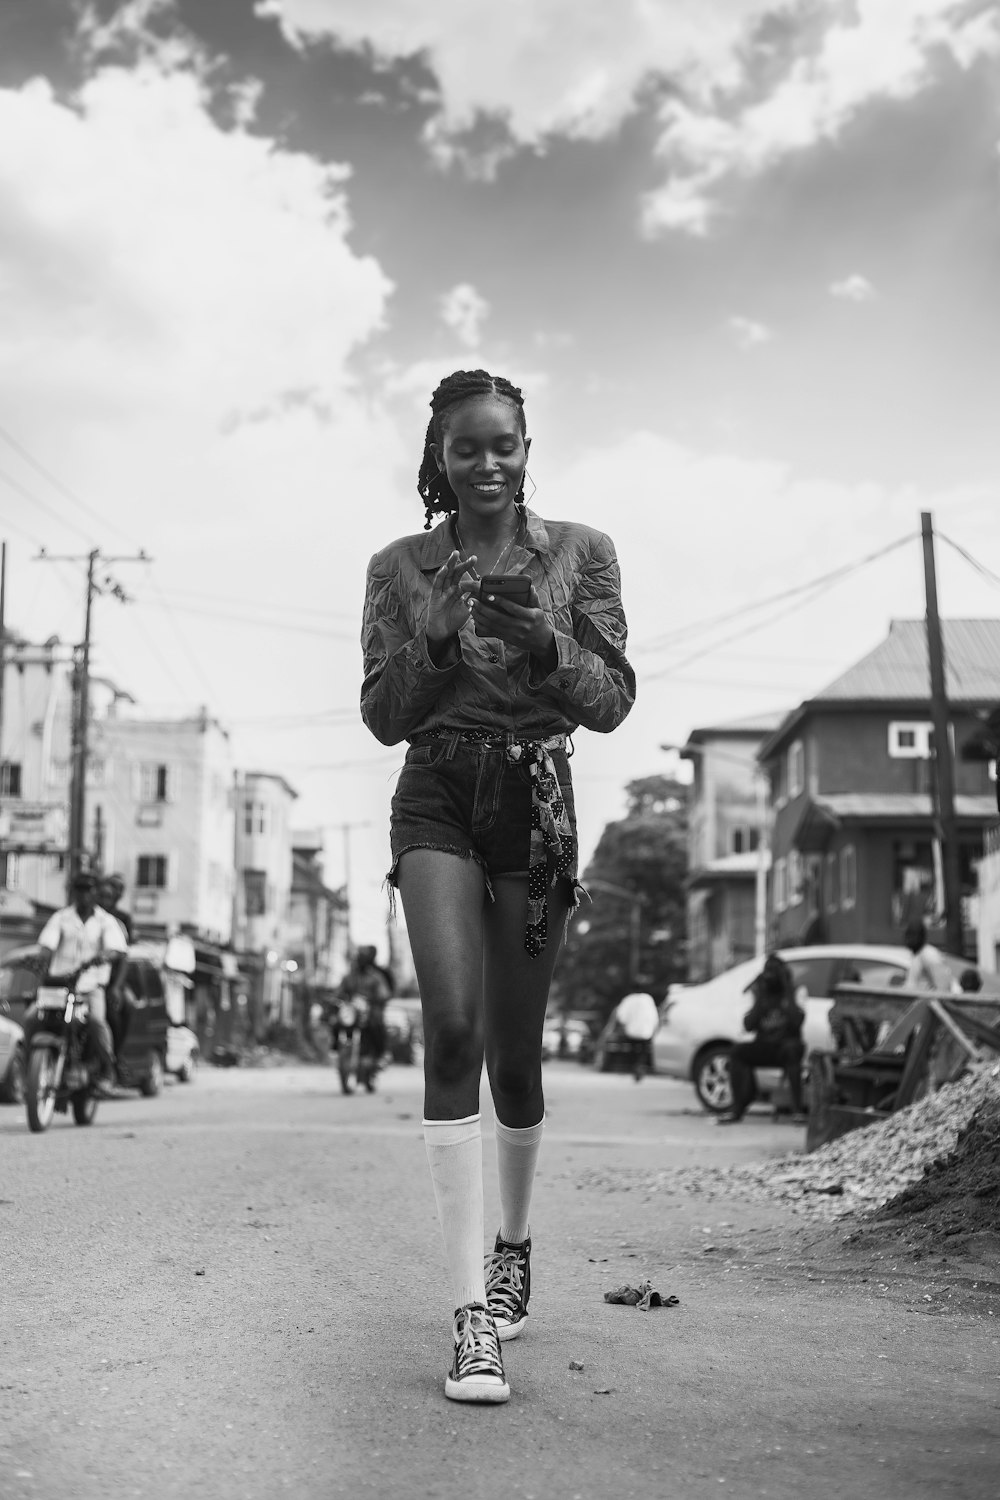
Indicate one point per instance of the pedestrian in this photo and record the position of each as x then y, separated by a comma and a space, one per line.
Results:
484, 848
776, 1019
638, 1018
110, 890
928, 969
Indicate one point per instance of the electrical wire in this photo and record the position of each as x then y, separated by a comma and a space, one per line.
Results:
63, 489
33, 499
297, 609
225, 617
973, 562
698, 627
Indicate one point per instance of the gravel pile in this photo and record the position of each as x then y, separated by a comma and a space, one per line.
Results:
860, 1171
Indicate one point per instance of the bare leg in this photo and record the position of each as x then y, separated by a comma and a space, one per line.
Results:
443, 897
516, 992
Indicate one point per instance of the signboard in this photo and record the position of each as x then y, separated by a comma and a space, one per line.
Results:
33, 827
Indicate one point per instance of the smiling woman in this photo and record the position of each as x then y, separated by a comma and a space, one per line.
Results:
484, 846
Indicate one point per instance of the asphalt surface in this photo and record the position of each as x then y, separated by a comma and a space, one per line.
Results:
237, 1289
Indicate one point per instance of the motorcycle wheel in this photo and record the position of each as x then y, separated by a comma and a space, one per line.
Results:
347, 1066
41, 1093
84, 1107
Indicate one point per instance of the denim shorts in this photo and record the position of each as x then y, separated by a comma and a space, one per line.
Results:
472, 800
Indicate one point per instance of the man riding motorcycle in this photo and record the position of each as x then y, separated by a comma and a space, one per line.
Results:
82, 941
366, 981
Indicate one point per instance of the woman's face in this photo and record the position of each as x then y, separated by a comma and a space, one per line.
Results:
483, 453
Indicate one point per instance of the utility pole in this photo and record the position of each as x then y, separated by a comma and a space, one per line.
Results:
944, 771
81, 696
345, 829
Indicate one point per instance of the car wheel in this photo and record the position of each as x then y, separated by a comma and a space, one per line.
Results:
13, 1089
712, 1081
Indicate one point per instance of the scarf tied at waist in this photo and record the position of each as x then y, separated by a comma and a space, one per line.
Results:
551, 841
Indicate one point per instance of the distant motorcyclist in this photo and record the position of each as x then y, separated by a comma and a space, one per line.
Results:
366, 981
110, 890
82, 942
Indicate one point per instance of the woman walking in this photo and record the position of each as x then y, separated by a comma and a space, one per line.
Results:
484, 851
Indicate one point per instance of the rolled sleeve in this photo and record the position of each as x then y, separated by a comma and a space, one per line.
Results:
592, 680
401, 682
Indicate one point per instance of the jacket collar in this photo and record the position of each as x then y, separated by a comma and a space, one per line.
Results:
437, 546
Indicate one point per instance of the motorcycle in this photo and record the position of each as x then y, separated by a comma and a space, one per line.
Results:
357, 1060
62, 1070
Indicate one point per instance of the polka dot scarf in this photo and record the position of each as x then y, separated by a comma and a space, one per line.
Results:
551, 834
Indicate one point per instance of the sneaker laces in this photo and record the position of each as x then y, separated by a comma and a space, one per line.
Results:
505, 1281
477, 1344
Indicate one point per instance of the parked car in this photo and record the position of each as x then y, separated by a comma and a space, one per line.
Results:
144, 1058
701, 1022
404, 1027
567, 1036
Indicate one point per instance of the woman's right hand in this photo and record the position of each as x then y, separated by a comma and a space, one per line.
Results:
448, 605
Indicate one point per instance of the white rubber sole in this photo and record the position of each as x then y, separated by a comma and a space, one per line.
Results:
479, 1392
508, 1331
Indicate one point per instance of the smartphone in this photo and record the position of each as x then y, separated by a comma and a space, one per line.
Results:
513, 586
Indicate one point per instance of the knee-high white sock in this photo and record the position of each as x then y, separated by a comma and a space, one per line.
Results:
455, 1154
517, 1157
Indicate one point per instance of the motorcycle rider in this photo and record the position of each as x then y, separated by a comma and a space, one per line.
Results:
110, 890
82, 940
366, 980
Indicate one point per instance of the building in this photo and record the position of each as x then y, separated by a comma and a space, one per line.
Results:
727, 853
160, 810
264, 802
317, 918
855, 850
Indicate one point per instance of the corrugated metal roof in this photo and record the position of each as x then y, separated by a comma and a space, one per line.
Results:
898, 667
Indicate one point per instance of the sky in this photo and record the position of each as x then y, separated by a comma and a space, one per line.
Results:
743, 259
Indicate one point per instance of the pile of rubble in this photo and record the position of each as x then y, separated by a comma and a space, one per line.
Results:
861, 1171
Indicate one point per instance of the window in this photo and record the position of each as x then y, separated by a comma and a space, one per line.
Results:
832, 883
97, 772
780, 889
151, 872
796, 769
991, 770
848, 877
255, 818
255, 892
743, 839
812, 975
794, 877
13, 881
157, 783
10, 778
910, 740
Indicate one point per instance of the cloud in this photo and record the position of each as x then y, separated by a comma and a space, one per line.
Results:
853, 288
736, 84
882, 51
748, 333
464, 311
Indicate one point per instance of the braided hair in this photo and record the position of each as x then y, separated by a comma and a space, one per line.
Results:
432, 483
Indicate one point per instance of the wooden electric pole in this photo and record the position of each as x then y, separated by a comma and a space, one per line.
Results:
944, 765
81, 700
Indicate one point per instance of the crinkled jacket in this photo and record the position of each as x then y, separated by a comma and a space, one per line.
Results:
481, 684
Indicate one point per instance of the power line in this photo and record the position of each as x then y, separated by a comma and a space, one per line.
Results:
973, 562
297, 609
699, 627
226, 617
63, 489
33, 499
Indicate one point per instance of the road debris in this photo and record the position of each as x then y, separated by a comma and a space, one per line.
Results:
642, 1297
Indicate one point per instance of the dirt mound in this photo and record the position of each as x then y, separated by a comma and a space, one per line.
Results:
959, 1194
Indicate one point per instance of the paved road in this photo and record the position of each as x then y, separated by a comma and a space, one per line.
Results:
236, 1290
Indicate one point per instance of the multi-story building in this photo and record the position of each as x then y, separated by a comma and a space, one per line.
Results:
317, 918
855, 844
263, 885
160, 809
727, 853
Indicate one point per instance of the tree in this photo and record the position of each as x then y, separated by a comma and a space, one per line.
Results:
633, 935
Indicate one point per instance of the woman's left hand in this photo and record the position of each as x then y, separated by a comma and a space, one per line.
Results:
525, 627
